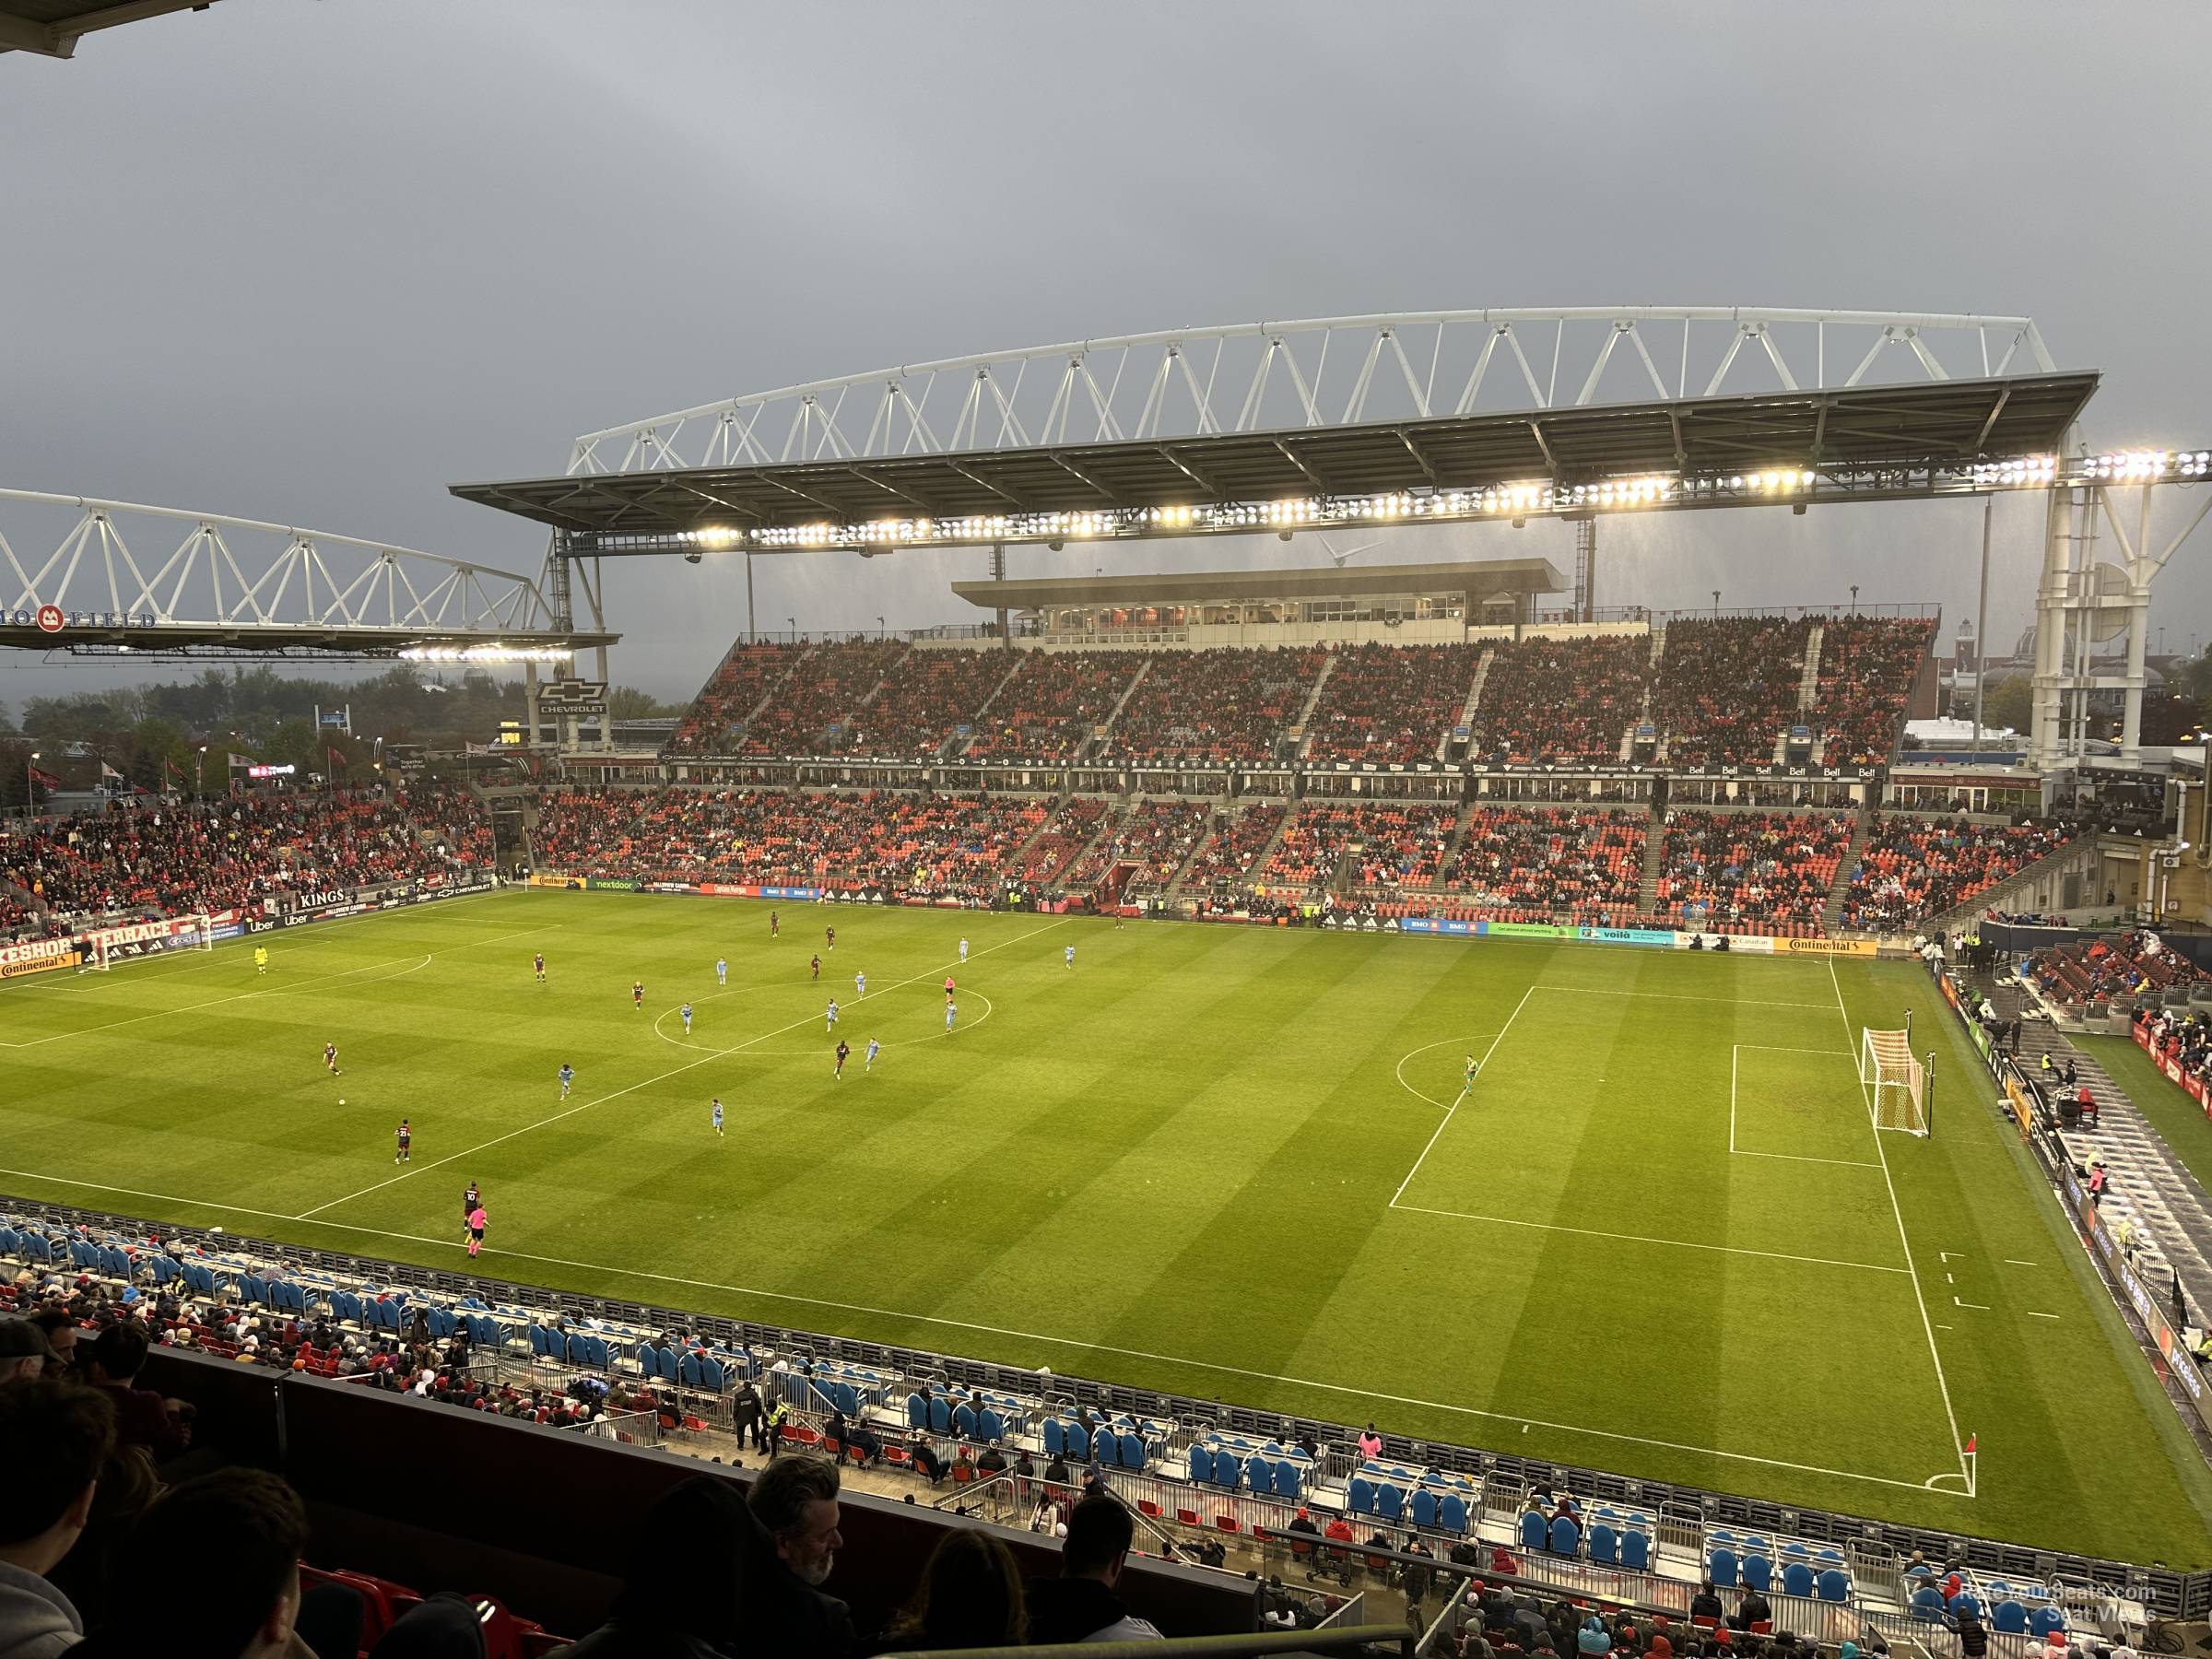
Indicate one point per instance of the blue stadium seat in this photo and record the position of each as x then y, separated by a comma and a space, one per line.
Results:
1926, 1605
1424, 1509
1078, 1442
1796, 1578
1362, 1494
1834, 1585
1229, 1473
1758, 1573
36, 1248
963, 1420
940, 1415
1452, 1514
990, 1425
687, 1372
1133, 1452
596, 1354
710, 1374
2046, 1621
1720, 1567
1535, 1530
1108, 1450
10, 1241
540, 1341
1202, 1459
1259, 1472
116, 1264
1566, 1537
1605, 1543
1636, 1551
1390, 1500
1964, 1603
1287, 1479
2008, 1618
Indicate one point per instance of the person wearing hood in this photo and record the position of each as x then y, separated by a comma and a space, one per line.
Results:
58, 1435
1591, 1637
1081, 1604
695, 1557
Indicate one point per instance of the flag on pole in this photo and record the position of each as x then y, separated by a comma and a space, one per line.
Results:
1969, 1445
335, 758
45, 779
107, 771
242, 760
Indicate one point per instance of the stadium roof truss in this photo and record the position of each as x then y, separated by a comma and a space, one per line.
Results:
98, 578
52, 28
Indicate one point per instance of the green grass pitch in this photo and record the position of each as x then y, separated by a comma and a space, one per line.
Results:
1658, 1234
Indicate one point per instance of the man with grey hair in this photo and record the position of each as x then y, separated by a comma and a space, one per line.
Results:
24, 1351
796, 1501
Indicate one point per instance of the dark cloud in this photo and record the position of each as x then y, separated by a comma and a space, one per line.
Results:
312, 261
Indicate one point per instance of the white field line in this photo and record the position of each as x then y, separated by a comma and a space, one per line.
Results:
279, 989
413, 1169
1075, 1344
1849, 1163
1399, 1071
1741, 1002
1882, 1152
1444, 1123
1592, 1233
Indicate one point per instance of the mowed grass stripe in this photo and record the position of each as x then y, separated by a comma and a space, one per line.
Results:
1172, 1167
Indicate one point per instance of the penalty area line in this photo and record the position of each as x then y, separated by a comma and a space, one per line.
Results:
1078, 1344
1446, 1122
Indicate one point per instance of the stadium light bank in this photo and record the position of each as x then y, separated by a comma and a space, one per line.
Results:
1796, 486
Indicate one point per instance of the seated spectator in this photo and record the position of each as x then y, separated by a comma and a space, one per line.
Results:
235, 1538
693, 1563
24, 1351
1706, 1603
143, 1418
53, 1438
795, 1502
970, 1596
1081, 1604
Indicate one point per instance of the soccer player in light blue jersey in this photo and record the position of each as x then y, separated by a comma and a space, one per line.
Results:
717, 1115
687, 1014
1071, 956
952, 1012
831, 1023
875, 1048
860, 987
721, 971
568, 1078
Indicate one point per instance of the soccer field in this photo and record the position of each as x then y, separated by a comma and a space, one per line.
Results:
1656, 1235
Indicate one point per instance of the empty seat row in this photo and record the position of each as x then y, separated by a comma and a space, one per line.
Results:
1623, 1545
1225, 1468
1755, 1571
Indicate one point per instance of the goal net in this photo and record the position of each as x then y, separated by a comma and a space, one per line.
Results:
196, 934
1895, 1082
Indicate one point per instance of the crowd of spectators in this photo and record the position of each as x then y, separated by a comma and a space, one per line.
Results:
2183, 1037
1065, 835
584, 829
1562, 700
1389, 845
1156, 835
1053, 705
1719, 869
1729, 686
2138, 965
1915, 867
924, 703
1225, 705
236, 852
1868, 665
1557, 860
1391, 704
713, 723
1241, 834
824, 693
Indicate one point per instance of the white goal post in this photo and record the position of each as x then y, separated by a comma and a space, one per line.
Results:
1896, 1084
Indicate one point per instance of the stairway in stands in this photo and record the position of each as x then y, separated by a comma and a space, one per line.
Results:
1301, 729
2172, 1211
1104, 728
1651, 690
1466, 711
1647, 889
1832, 913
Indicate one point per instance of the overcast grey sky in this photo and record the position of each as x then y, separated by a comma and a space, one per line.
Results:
312, 260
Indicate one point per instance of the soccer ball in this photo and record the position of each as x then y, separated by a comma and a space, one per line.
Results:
341, 1100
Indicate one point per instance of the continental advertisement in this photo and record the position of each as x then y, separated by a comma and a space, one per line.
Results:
1834, 948
38, 956
2022, 1107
